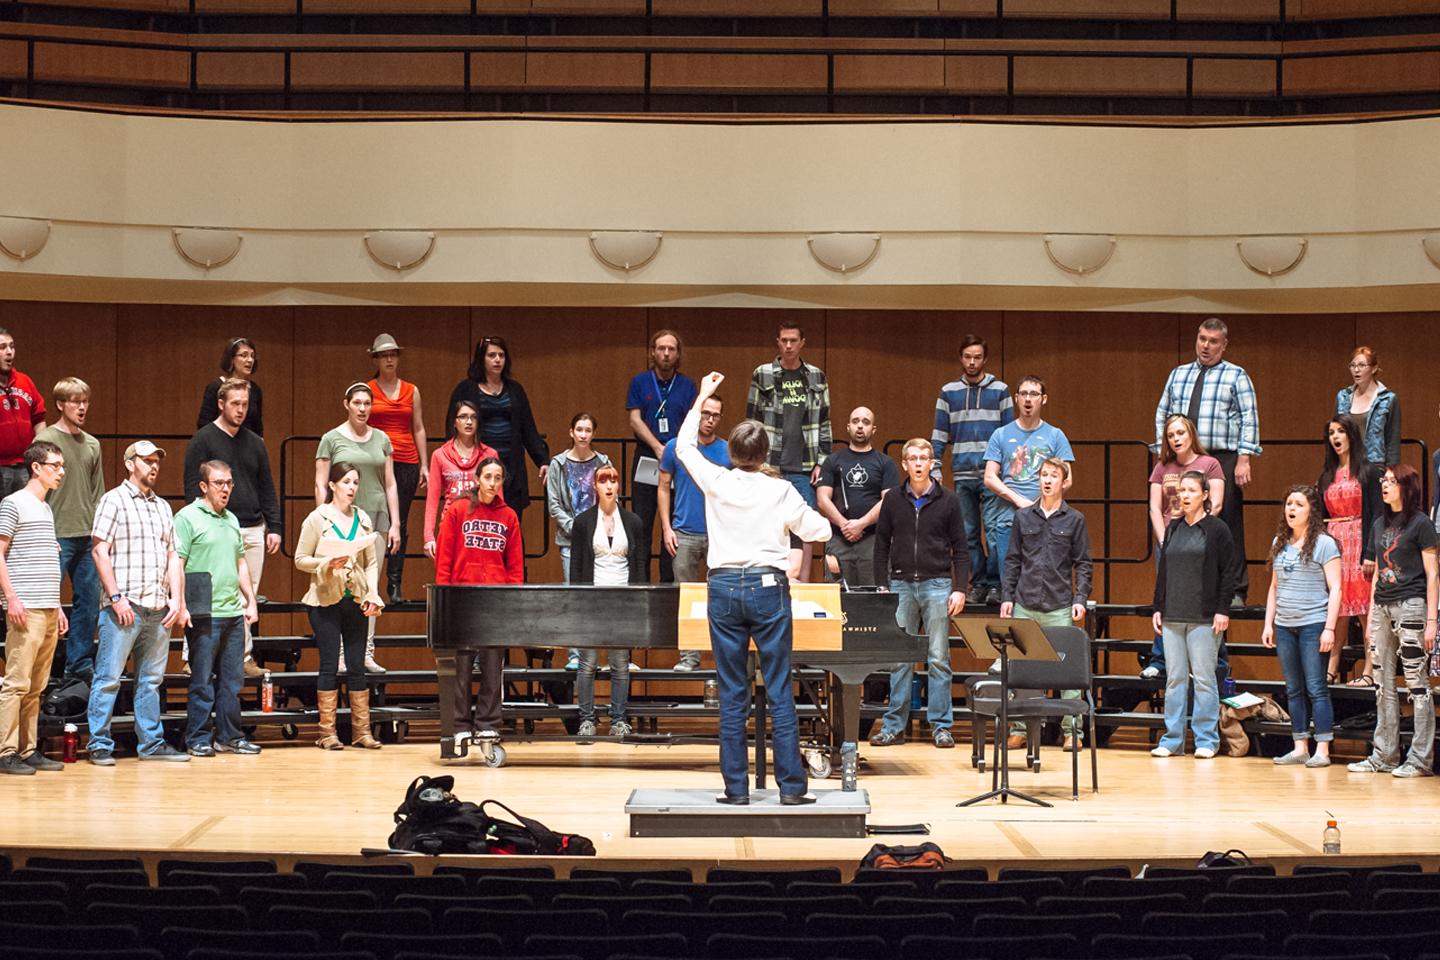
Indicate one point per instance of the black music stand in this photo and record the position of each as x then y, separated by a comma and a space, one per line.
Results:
995, 637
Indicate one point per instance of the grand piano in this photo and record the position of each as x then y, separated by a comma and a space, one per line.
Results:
463, 619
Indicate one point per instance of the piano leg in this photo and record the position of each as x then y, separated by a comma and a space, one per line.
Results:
445, 682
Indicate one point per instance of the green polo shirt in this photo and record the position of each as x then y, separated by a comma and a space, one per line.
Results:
211, 543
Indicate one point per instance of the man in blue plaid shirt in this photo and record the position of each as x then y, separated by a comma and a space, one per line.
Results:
1226, 420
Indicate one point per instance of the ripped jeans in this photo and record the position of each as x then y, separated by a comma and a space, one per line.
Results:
1397, 629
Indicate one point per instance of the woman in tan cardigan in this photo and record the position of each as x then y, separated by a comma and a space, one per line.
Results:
343, 593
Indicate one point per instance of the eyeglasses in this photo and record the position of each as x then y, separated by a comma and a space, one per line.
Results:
1030, 394
709, 416
222, 484
55, 464
917, 459
1359, 365
466, 416
1390, 480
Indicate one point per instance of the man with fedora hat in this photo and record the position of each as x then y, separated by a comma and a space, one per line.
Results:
396, 411
143, 596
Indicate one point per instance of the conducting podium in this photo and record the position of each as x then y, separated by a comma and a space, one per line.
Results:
1028, 660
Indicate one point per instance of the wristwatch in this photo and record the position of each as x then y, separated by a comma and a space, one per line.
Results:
116, 597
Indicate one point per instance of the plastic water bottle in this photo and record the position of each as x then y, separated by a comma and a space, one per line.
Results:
267, 694
1229, 688
1330, 842
712, 694
72, 743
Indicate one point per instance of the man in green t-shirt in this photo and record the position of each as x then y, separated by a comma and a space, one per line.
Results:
221, 598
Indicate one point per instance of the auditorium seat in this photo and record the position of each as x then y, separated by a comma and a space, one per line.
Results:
964, 911
1111, 888
600, 948
473, 875
177, 942
1027, 890
1388, 900
1085, 927
1395, 946
1131, 909
1218, 876
46, 912
542, 890
979, 948
867, 892
514, 926
152, 919
165, 868
1298, 906
387, 888
316, 872
615, 907
231, 885
781, 878
151, 896
257, 901
1073, 879
628, 878
118, 936
740, 946
118, 953
1271, 924
700, 894
21, 891
1382, 880
386, 945
101, 865
77, 880
436, 906
923, 879
701, 926
1414, 916
1213, 946
1313, 883
892, 928
208, 954
796, 909
332, 924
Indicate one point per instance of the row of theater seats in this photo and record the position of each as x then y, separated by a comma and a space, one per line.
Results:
225, 910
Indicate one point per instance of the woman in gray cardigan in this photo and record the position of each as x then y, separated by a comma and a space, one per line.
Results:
570, 491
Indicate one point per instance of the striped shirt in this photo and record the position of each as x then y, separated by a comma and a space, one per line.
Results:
966, 415
1229, 420
33, 556
141, 532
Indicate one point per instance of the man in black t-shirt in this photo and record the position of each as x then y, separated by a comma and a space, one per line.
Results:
852, 483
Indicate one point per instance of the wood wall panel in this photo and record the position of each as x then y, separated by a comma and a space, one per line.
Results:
406, 7
1107, 9
887, 8
1407, 371
81, 63
1234, 78
377, 71
1100, 76
240, 71
744, 8
1376, 73
497, 71
1259, 10
12, 59
889, 73
585, 71
789, 73
977, 75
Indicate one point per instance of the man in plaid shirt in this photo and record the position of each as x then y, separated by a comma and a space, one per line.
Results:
792, 400
1227, 423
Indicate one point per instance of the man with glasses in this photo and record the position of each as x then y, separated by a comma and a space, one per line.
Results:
684, 537
253, 502
657, 402
22, 416
221, 600
1219, 399
921, 553
30, 581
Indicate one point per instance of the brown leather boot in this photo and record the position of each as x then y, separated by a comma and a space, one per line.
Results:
360, 721
328, 740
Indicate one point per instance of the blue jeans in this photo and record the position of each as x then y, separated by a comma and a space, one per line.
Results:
999, 518
217, 669
1304, 666
972, 494
1190, 650
619, 683
150, 641
77, 561
922, 601
754, 603
801, 482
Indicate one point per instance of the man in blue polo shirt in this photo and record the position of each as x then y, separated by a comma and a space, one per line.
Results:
658, 400
684, 536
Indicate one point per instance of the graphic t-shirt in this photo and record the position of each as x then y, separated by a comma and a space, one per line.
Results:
858, 480
580, 479
790, 394
1301, 594
1021, 452
1400, 573
1168, 476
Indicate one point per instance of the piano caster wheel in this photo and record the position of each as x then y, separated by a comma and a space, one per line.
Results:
495, 756
289, 731
818, 762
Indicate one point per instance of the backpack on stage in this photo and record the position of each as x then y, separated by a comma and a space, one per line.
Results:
433, 820
67, 699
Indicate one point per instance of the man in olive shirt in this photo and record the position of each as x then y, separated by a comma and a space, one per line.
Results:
221, 600
73, 504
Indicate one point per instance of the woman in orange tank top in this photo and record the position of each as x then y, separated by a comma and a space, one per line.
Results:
396, 411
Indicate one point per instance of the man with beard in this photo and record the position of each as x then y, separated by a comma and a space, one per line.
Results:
852, 483
658, 400
22, 415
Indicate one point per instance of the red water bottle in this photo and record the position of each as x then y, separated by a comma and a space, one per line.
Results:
72, 743
267, 694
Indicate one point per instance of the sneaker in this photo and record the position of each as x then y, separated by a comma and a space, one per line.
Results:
241, 746
1204, 753
166, 752
253, 669
1016, 741
944, 739
1237, 603
1407, 770
1161, 752
1369, 765
587, 729
687, 664
1318, 760
992, 596
1150, 673
39, 761
1292, 759
887, 739
201, 750
11, 763
620, 729
185, 669
102, 758
572, 662
372, 667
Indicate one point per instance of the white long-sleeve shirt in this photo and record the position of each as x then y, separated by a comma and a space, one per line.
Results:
748, 516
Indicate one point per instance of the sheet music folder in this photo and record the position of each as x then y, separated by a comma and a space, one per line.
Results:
1027, 637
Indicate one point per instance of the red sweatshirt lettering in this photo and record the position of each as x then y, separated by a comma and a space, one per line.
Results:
479, 544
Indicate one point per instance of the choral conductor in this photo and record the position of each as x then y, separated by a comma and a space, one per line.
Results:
750, 517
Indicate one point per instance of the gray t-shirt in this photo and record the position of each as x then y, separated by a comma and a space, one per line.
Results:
790, 394
1184, 573
1301, 596
33, 558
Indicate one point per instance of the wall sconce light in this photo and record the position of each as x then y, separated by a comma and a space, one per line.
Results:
625, 249
1079, 253
1432, 247
22, 237
207, 247
400, 249
844, 252
1272, 256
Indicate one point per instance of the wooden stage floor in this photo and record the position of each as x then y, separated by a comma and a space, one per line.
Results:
295, 801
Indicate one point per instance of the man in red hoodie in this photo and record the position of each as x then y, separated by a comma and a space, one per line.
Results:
479, 543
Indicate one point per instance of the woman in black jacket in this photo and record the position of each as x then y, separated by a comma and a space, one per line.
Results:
506, 421
238, 360
607, 549
1192, 596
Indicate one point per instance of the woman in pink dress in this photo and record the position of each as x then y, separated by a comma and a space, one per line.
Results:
1350, 501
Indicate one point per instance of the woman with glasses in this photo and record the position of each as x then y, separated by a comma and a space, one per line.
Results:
237, 361
1402, 624
1349, 489
1374, 408
1300, 616
506, 421
452, 469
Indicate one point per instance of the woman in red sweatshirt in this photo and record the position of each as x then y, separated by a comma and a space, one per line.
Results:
479, 544
452, 470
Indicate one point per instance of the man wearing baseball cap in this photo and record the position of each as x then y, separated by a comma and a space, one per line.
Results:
143, 596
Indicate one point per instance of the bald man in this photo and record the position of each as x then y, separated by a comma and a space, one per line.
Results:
852, 483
